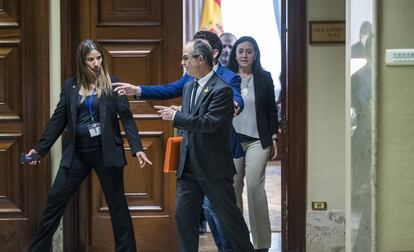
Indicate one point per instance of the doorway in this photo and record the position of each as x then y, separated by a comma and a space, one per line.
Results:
292, 138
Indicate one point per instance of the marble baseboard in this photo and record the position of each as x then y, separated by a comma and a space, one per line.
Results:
58, 238
325, 231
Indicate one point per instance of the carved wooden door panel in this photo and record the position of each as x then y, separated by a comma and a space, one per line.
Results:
24, 85
142, 40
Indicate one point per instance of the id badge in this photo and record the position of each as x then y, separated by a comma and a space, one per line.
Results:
94, 129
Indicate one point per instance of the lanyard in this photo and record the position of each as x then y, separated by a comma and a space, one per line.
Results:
89, 105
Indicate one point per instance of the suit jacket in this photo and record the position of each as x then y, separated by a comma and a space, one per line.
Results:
110, 106
266, 113
206, 130
175, 89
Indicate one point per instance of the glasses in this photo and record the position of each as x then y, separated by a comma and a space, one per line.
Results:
186, 58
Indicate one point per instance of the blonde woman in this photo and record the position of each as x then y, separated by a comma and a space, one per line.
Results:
89, 109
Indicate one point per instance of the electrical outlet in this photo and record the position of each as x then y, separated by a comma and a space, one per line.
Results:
319, 205
402, 57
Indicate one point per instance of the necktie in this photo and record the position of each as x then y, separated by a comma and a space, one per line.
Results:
193, 95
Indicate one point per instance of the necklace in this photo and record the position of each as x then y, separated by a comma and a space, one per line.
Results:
245, 89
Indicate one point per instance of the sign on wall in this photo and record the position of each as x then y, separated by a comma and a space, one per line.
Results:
326, 32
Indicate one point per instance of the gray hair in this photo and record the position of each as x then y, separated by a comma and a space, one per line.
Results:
203, 48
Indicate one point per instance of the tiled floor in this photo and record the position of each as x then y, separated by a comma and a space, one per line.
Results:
273, 191
207, 243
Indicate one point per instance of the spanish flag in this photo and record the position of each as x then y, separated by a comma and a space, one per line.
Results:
211, 17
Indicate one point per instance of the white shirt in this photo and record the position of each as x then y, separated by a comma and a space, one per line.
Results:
202, 82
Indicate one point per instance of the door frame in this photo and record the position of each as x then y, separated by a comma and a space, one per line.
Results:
75, 235
294, 125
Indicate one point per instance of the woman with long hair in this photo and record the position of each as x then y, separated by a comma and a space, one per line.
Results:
256, 126
89, 109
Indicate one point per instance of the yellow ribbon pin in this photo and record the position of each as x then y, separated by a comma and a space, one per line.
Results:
205, 90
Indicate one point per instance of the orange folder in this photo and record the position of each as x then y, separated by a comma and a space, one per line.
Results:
172, 154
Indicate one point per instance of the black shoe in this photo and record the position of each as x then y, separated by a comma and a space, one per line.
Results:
202, 228
261, 250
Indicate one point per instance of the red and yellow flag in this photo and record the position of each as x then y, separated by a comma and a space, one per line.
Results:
211, 17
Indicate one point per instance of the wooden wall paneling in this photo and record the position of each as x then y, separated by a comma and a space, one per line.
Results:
9, 13
11, 201
24, 110
35, 80
10, 80
129, 13
136, 61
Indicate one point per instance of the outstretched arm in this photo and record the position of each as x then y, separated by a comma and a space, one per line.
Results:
158, 92
165, 91
55, 126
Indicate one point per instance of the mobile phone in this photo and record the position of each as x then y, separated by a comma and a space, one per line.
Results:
24, 159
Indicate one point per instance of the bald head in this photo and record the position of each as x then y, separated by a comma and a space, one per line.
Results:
227, 40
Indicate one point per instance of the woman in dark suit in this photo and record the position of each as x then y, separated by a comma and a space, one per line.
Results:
256, 126
88, 108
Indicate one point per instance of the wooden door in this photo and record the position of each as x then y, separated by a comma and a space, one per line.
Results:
142, 40
24, 110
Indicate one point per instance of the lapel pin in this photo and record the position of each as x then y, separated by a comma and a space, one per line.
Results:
73, 86
205, 90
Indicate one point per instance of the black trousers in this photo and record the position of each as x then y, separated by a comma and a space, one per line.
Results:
66, 183
220, 192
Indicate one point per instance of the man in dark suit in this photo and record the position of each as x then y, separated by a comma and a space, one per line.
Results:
175, 89
206, 166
